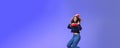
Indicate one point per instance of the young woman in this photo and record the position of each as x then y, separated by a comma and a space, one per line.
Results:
75, 29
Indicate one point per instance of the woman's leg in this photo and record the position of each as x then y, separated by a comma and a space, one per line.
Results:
76, 41
70, 42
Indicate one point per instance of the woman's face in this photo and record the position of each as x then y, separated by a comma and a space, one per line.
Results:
75, 19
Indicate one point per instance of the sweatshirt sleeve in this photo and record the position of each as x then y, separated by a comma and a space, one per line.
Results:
68, 26
79, 27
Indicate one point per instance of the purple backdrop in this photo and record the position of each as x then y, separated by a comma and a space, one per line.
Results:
43, 23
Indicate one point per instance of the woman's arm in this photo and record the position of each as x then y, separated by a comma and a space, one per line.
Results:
79, 27
69, 26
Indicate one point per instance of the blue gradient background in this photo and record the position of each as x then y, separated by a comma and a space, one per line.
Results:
43, 23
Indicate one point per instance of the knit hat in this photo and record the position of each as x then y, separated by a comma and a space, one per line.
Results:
77, 15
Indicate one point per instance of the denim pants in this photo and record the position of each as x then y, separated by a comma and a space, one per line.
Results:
74, 41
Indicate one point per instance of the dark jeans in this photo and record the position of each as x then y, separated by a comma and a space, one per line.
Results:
74, 41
